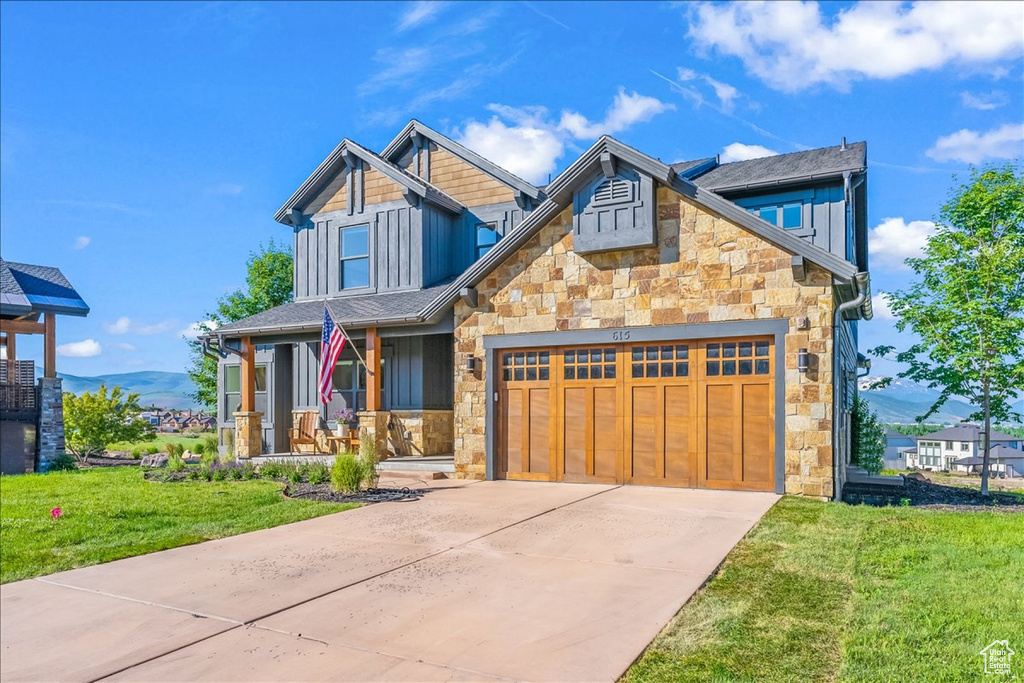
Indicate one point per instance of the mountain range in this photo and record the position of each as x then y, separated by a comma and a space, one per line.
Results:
162, 389
903, 401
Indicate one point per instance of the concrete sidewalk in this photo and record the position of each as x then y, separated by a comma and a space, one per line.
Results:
475, 581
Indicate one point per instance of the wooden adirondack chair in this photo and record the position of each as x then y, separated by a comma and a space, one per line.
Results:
305, 433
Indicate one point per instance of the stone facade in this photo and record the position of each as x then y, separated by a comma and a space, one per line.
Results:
248, 434
703, 269
50, 434
422, 432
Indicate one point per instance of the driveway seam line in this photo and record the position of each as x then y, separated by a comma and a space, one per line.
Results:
586, 561
94, 591
162, 654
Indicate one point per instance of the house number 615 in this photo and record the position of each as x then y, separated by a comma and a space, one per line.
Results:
620, 336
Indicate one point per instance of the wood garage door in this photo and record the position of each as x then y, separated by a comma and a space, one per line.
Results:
691, 414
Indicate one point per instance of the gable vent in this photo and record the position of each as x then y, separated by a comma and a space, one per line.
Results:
613, 190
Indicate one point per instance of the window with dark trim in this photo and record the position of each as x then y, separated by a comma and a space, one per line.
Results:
233, 389
355, 257
486, 237
349, 382
788, 216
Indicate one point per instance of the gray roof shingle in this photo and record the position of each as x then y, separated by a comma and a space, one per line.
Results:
826, 161
370, 309
965, 432
25, 287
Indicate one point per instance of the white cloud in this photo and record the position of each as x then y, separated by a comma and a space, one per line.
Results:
880, 307
119, 326
87, 348
529, 148
195, 329
124, 325
972, 147
726, 93
738, 151
82, 242
792, 46
627, 109
123, 346
894, 240
983, 101
419, 13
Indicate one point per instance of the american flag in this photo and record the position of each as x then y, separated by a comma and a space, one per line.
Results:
331, 344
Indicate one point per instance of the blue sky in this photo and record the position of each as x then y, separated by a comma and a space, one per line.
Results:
145, 147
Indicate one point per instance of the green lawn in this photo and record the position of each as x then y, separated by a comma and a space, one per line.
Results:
113, 513
829, 592
161, 440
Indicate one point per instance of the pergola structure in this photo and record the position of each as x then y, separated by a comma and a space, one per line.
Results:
31, 298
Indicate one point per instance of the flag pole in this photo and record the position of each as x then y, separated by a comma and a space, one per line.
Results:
345, 332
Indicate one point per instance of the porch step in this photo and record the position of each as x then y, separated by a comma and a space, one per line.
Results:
444, 464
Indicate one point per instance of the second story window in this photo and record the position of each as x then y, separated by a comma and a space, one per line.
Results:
787, 216
486, 237
355, 257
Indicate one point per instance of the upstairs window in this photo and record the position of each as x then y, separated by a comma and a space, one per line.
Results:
788, 216
486, 237
355, 257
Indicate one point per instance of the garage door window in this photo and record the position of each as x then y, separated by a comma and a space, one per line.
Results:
525, 366
589, 364
737, 358
661, 361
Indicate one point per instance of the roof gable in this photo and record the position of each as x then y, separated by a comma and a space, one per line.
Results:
397, 148
26, 288
330, 174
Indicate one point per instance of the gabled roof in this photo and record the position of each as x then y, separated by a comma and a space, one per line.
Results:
414, 127
782, 169
996, 453
965, 432
331, 167
560, 192
27, 288
393, 308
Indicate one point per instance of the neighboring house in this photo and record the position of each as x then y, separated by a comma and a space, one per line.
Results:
896, 447
636, 322
1002, 460
32, 412
939, 450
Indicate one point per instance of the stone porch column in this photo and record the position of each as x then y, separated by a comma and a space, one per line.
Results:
373, 426
248, 434
50, 437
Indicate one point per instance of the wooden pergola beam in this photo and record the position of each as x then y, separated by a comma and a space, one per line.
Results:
50, 346
23, 326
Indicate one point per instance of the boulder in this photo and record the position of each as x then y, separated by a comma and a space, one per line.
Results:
155, 460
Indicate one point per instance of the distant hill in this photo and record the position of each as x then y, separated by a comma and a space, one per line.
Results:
903, 401
163, 389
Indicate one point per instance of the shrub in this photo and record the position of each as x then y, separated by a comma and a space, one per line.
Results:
152, 450
208, 459
235, 473
193, 475
210, 444
318, 473
248, 471
137, 452
368, 451
295, 475
868, 437
272, 470
175, 463
348, 473
220, 474
62, 463
199, 448
205, 472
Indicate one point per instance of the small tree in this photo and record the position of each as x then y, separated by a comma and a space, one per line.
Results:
268, 284
92, 421
868, 437
967, 303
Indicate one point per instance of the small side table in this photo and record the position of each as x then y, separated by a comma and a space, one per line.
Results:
350, 443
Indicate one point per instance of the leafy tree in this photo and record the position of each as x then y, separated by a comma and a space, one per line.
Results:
268, 284
966, 304
91, 421
868, 437
917, 429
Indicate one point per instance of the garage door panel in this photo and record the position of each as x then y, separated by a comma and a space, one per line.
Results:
644, 420
720, 427
514, 430
540, 430
757, 434
606, 433
574, 431
679, 426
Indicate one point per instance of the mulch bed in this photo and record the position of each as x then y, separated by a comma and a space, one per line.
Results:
927, 494
325, 493
109, 460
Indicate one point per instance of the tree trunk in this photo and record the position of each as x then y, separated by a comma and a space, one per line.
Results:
988, 441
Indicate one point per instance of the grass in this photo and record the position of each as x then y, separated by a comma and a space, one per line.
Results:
187, 440
113, 513
829, 592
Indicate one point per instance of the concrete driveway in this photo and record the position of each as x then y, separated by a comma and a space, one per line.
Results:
475, 581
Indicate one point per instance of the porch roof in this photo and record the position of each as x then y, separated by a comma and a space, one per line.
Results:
26, 288
370, 310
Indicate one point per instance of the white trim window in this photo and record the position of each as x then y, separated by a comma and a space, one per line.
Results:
355, 257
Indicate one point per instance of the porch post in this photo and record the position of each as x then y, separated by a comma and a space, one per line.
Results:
373, 366
50, 346
10, 341
248, 422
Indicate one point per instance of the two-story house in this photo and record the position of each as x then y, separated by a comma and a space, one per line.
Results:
690, 324
942, 449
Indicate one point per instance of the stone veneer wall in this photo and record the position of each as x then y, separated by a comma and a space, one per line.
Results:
430, 432
50, 434
704, 269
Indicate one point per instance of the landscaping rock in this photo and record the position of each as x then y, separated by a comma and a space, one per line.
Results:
157, 460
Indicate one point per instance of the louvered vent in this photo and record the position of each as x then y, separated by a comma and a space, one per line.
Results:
613, 190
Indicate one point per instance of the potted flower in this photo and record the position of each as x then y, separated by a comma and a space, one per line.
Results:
347, 419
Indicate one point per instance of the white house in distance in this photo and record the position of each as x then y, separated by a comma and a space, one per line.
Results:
897, 445
942, 449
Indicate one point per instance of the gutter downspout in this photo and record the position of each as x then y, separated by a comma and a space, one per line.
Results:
862, 285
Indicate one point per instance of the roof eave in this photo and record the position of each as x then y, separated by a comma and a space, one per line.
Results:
782, 182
